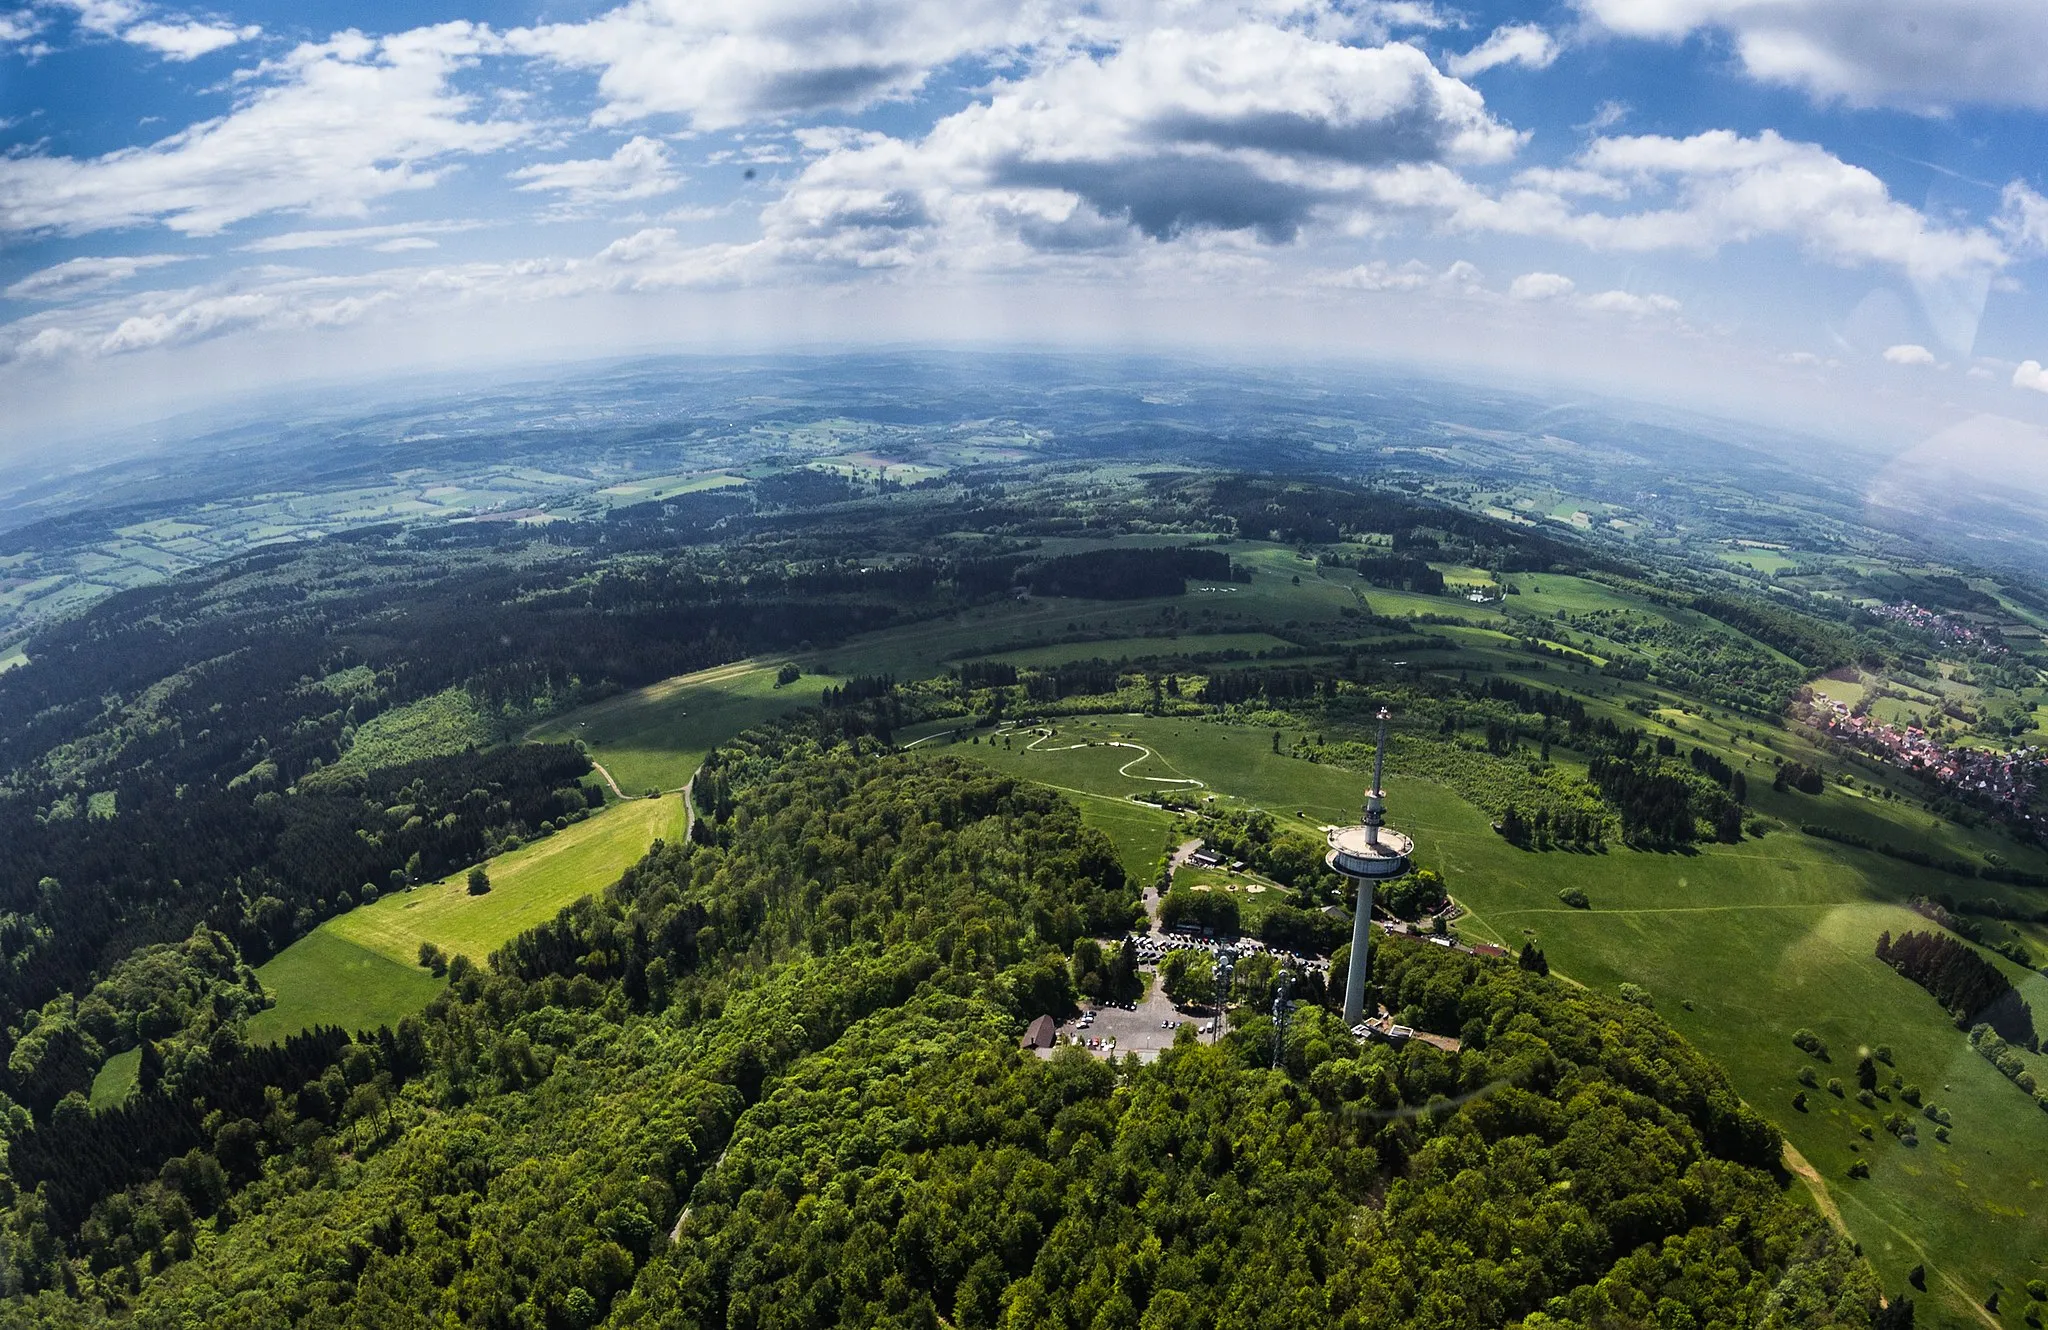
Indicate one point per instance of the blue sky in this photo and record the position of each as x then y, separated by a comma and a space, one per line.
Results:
1821, 212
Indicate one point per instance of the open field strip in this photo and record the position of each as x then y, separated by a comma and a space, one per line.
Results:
529, 886
360, 970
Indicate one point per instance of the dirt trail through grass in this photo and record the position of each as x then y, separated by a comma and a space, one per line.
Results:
1817, 1185
1125, 770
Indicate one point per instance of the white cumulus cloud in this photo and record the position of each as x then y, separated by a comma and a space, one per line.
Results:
1921, 55
2031, 375
720, 63
328, 128
639, 169
1908, 353
1253, 130
1512, 44
338, 237
1720, 188
188, 39
1629, 302
173, 36
1541, 286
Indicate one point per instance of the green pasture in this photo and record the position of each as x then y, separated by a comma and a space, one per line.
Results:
1765, 562
667, 487
1466, 576
655, 737
448, 722
1139, 831
327, 979
529, 886
864, 464
1846, 691
116, 1079
360, 970
1392, 604
1255, 895
1739, 945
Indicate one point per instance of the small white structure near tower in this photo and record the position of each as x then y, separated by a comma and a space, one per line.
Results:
1367, 854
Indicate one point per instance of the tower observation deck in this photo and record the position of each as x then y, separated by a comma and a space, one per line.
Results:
1367, 854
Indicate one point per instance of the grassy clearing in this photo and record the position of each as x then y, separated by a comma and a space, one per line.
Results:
1255, 895
1740, 946
655, 737
10, 659
1139, 831
1759, 561
326, 979
360, 970
116, 1079
528, 886
668, 487
448, 722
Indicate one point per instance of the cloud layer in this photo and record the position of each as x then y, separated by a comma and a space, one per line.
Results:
1923, 55
1332, 151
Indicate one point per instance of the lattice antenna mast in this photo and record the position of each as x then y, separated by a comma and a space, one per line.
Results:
1226, 962
1283, 1007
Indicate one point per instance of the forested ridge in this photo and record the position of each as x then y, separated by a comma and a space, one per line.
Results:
770, 1079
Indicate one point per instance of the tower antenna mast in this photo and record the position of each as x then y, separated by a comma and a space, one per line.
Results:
1367, 855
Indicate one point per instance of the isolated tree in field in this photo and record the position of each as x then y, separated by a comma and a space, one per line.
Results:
1866, 1072
432, 958
479, 881
1533, 960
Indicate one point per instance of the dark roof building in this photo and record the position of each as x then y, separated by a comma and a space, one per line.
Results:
1039, 1034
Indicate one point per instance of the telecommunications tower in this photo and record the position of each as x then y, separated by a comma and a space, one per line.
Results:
1367, 854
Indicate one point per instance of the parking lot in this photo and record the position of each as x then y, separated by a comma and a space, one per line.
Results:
1142, 1031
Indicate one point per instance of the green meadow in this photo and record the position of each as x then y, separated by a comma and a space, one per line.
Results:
655, 737
326, 979
529, 886
360, 970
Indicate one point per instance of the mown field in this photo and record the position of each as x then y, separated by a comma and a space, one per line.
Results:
529, 886
655, 737
360, 970
326, 979
1739, 946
